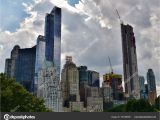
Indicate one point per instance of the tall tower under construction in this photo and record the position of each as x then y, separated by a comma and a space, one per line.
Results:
130, 68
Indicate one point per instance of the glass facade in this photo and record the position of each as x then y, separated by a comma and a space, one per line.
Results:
142, 86
40, 57
83, 74
25, 67
151, 80
53, 37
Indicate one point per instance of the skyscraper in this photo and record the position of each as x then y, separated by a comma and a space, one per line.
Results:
93, 78
53, 37
25, 67
142, 86
49, 76
10, 64
40, 57
152, 94
83, 75
21, 66
70, 82
130, 68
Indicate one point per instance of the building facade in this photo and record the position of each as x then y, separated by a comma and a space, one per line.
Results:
142, 86
152, 93
49, 88
70, 82
130, 67
21, 66
115, 82
53, 37
25, 67
93, 78
83, 75
40, 58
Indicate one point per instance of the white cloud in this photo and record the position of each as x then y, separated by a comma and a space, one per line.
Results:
91, 32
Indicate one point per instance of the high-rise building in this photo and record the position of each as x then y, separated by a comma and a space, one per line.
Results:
152, 94
142, 86
51, 65
25, 67
40, 58
115, 81
70, 86
48, 87
10, 65
21, 66
93, 78
130, 68
83, 75
53, 37
70, 82
146, 91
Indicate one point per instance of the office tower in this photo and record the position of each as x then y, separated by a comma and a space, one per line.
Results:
130, 68
83, 75
142, 86
70, 82
93, 78
48, 87
21, 66
51, 65
146, 91
25, 67
115, 81
10, 64
53, 37
70, 86
40, 57
152, 94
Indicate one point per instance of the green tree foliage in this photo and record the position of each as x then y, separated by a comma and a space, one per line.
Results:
119, 108
141, 105
133, 105
15, 98
157, 103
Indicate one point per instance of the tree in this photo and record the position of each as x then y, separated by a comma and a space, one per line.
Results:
157, 103
140, 105
16, 98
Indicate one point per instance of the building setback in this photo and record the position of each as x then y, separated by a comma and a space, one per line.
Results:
130, 68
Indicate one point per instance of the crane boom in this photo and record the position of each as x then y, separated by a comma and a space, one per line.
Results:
110, 65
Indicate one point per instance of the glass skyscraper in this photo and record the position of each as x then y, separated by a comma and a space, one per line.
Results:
21, 66
151, 80
53, 37
40, 57
25, 67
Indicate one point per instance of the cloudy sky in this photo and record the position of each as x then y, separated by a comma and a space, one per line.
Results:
90, 31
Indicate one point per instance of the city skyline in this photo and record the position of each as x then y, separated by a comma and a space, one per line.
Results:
88, 56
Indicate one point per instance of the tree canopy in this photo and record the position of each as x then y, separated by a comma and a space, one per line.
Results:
15, 98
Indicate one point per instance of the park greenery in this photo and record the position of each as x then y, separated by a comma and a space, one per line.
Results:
134, 105
15, 98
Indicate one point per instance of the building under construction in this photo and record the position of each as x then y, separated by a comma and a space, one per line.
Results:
115, 82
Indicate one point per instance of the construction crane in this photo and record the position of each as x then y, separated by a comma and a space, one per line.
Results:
110, 65
119, 17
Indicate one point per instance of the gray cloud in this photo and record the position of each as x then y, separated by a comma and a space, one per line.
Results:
91, 33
